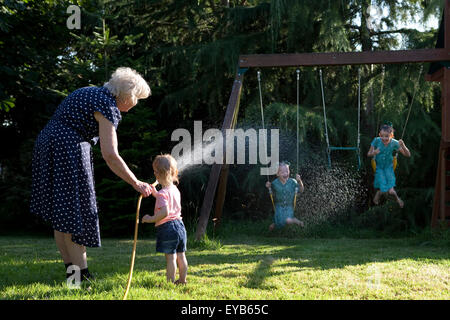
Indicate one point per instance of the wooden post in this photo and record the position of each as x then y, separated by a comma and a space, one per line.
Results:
446, 81
445, 85
222, 189
447, 26
441, 186
441, 196
436, 198
216, 169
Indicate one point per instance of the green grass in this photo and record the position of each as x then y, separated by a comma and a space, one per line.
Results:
238, 266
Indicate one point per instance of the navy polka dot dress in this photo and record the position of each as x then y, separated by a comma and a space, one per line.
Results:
62, 170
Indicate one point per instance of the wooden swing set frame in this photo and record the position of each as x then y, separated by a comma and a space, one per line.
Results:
441, 202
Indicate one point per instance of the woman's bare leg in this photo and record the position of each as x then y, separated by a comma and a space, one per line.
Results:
61, 244
76, 252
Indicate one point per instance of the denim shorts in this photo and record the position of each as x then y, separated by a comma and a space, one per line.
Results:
171, 237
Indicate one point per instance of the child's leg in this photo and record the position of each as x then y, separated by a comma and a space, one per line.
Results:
376, 199
294, 221
397, 198
272, 226
182, 267
171, 268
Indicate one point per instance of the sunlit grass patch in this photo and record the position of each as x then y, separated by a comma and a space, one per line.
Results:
238, 267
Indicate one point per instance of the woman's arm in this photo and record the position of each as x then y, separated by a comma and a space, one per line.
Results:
110, 153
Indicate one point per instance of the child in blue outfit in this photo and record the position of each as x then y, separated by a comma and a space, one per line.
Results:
382, 148
284, 190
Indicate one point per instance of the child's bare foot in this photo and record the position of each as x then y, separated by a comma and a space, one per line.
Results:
271, 227
146, 219
180, 282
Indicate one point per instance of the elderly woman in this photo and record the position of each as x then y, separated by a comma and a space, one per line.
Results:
62, 170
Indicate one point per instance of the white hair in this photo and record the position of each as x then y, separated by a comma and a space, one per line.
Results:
126, 83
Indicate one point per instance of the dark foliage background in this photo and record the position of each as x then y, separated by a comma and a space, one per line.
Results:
187, 51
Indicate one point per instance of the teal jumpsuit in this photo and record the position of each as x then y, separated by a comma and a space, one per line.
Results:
384, 174
284, 200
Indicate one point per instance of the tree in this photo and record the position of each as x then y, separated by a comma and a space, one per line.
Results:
188, 51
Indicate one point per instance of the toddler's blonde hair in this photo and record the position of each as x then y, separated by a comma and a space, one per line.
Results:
166, 167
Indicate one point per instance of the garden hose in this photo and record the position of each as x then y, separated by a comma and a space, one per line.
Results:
133, 254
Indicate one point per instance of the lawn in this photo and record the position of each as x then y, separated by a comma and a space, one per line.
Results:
237, 267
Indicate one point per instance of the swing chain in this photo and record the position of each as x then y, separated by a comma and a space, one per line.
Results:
412, 101
261, 104
325, 118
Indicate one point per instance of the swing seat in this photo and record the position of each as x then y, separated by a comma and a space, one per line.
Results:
374, 164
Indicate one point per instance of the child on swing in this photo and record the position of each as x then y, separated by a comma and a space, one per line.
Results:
284, 190
381, 148
170, 231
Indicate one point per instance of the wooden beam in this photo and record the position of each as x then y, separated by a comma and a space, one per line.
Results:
216, 169
343, 58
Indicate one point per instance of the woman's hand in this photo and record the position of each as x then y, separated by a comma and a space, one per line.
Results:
143, 188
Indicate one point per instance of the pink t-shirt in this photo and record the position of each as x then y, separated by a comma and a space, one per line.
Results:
168, 197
